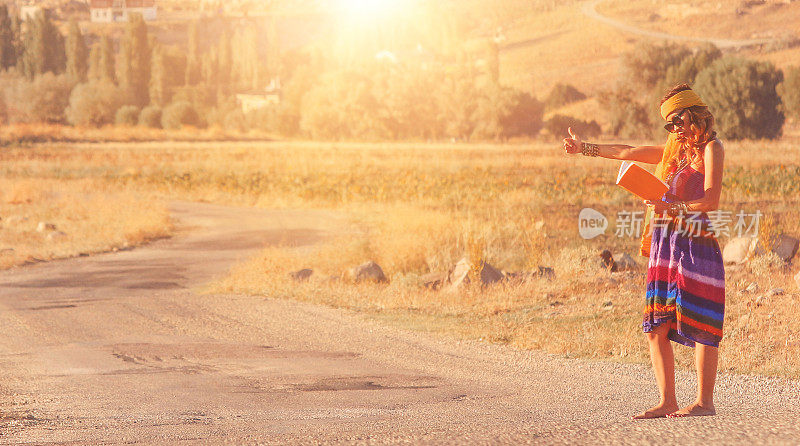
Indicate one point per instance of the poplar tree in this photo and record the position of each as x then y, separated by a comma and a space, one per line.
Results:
43, 47
77, 53
107, 59
134, 67
8, 50
193, 64
158, 76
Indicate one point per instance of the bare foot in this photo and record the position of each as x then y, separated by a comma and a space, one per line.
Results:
694, 410
658, 411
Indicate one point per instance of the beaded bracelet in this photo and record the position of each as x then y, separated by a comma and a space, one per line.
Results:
678, 208
589, 149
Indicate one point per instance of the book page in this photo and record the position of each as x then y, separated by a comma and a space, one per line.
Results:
623, 168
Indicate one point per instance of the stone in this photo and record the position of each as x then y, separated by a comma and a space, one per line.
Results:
459, 275
489, 274
785, 246
738, 249
301, 275
752, 288
608, 305
44, 226
607, 261
7, 251
56, 236
433, 280
625, 262
368, 272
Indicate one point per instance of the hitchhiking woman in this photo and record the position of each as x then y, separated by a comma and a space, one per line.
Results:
685, 298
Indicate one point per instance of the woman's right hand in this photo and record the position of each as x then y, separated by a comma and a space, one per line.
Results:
573, 143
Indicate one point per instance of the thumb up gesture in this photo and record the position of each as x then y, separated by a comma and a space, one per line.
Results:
573, 143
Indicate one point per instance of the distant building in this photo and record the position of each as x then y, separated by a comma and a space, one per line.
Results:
29, 12
254, 100
107, 11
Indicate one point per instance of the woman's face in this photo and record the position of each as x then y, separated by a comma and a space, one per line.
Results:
678, 122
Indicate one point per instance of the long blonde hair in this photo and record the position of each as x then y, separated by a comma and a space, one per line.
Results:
701, 131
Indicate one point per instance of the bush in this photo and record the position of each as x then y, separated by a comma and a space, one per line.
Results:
236, 120
563, 94
789, 91
179, 114
503, 113
127, 115
743, 98
94, 103
629, 117
558, 125
647, 64
150, 117
43, 99
687, 70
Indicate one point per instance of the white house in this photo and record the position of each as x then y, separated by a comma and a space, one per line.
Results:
107, 11
255, 100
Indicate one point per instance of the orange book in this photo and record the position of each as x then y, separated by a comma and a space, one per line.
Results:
641, 182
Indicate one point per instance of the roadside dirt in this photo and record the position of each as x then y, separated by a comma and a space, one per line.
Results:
119, 348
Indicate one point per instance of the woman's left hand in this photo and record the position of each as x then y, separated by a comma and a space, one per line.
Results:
659, 207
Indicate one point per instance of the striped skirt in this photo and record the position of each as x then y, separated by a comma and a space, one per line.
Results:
685, 286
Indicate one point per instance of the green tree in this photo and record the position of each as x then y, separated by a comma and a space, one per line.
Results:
687, 70
8, 44
558, 125
134, 67
77, 53
246, 64
563, 94
742, 96
629, 117
193, 64
647, 64
94, 103
102, 61
43, 47
789, 91
158, 76
41, 100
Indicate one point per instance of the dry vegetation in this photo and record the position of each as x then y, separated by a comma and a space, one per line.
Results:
46, 219
421, 208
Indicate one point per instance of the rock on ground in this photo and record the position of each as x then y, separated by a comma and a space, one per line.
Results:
368, 272
301, 275
459, 275
738, 249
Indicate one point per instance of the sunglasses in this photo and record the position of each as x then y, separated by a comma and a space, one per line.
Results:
676, 121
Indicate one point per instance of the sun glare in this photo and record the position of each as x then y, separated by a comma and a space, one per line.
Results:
368, 10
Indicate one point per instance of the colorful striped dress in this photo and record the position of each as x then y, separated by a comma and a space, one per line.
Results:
685, 273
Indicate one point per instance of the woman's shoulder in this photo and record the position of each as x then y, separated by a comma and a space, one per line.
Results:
714, 146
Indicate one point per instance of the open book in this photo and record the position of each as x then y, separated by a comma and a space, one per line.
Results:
641, 182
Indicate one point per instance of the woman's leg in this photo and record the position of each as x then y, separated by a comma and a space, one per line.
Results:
706, 359
664, 367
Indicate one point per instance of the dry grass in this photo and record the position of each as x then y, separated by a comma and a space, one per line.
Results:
85, 219
421, 208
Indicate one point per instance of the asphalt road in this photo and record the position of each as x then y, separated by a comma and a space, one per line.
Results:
120, 348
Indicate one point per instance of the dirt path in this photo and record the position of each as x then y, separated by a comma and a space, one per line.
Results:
118, 348
589, 9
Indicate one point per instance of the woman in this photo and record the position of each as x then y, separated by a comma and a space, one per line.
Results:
685, 299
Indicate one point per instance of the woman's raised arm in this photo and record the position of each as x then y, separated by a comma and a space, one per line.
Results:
644, 154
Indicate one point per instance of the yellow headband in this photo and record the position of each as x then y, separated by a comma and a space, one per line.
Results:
683, 99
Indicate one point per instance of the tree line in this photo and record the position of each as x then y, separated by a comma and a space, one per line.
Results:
342, 92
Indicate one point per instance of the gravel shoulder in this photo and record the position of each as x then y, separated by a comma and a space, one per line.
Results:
121, 348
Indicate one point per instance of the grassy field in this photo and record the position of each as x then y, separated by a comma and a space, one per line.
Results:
420, 209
